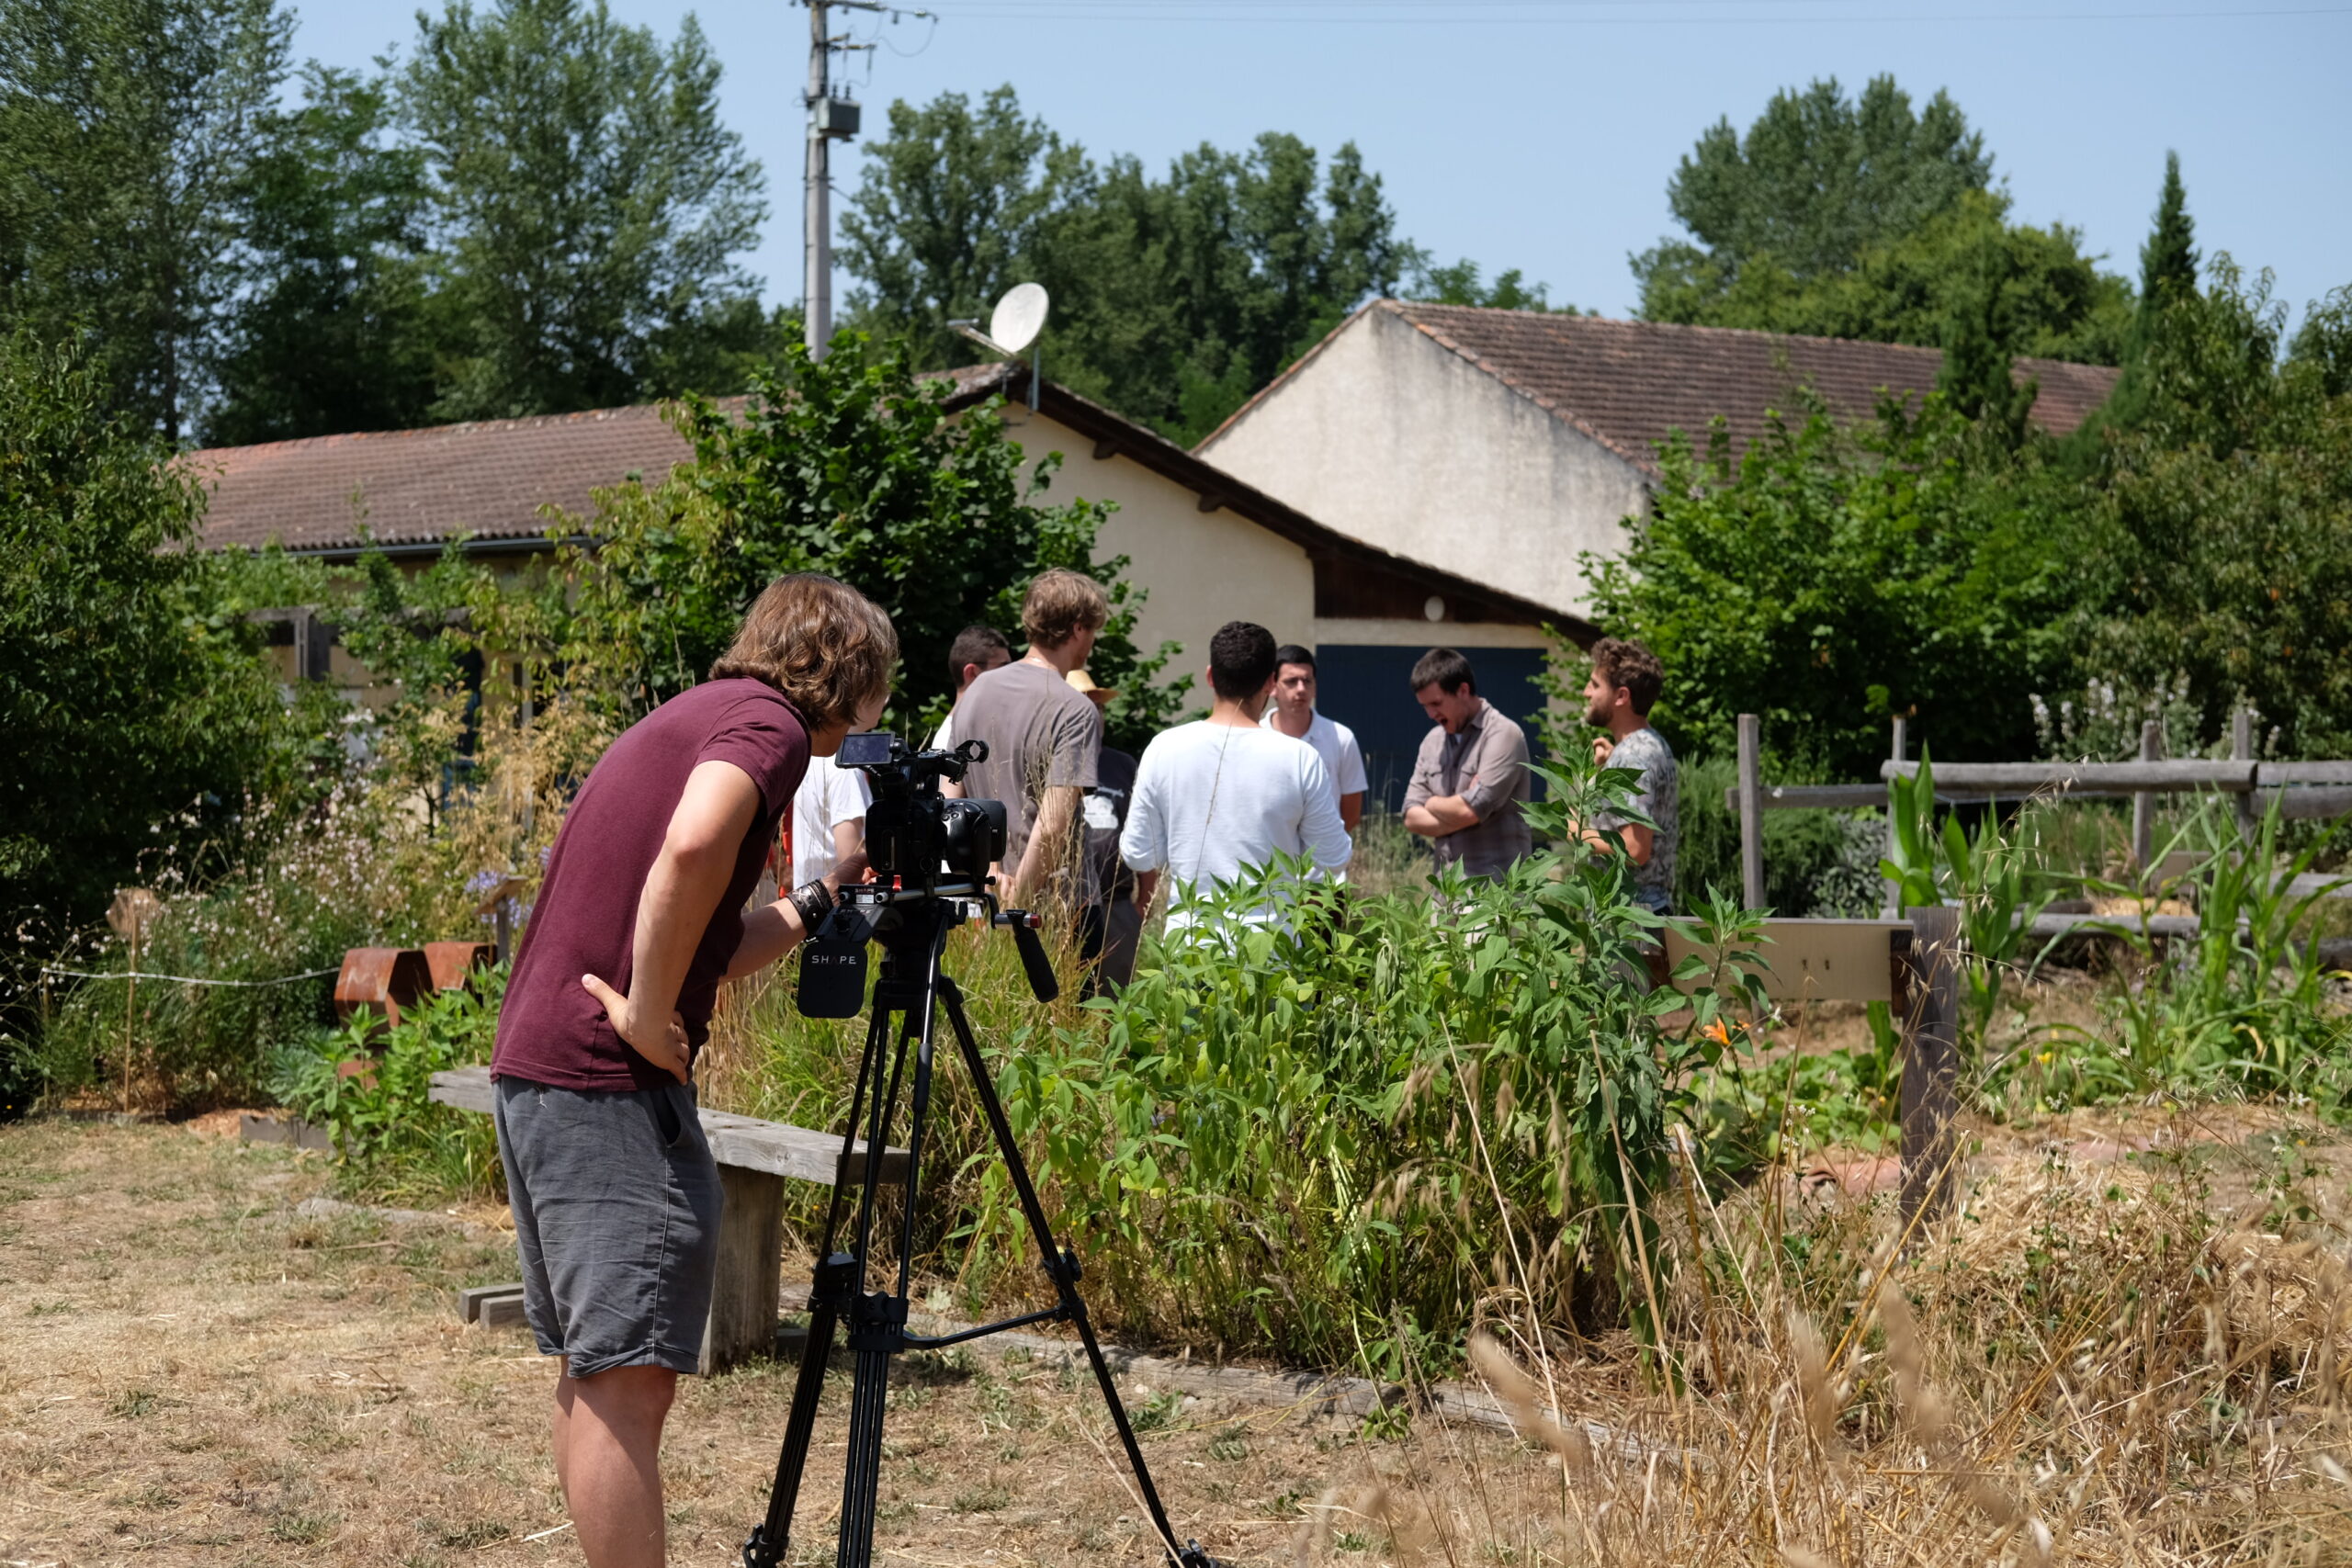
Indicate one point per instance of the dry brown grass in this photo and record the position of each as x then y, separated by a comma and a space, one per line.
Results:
2087, 1366
190, 1373
2084, 1366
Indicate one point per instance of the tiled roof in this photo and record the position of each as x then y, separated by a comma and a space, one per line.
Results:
1629, 384
420, 487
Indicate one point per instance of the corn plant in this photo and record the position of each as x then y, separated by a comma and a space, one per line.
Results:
2240, 1005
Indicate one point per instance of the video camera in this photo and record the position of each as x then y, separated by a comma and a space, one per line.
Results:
926, 850
915, 837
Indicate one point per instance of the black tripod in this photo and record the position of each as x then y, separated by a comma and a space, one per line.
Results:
911, 930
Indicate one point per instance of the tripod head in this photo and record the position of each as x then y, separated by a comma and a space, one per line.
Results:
909, 925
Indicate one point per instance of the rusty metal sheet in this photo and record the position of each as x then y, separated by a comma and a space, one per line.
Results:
453, 962
384, 980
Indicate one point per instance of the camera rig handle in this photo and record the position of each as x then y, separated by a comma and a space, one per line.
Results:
1023, 926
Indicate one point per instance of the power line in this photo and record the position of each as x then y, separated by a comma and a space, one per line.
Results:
1471, 12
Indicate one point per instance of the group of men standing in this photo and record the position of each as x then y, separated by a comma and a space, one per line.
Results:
1265, 774
642, 915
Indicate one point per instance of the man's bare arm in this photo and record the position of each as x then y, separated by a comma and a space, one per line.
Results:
773, 930
1352, 809
1147, 884
1048, 840
681, 893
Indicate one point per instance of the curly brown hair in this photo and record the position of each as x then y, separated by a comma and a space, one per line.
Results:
1630, 665
825, 646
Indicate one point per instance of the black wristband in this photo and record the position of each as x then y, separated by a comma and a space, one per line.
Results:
814, 901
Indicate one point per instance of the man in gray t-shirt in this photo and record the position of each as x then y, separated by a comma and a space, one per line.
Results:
1618, 697
1043, 737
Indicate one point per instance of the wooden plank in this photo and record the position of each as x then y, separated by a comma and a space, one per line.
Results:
742, 1141
2272, 774
1751, 810
2115, 925
746, 1293
464, 1088
1818, 961
2307, 805
474, 1301
1811, 797
1930, 1093
2171, 775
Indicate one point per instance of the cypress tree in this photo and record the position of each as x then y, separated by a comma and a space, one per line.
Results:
2168, 276
2168, 261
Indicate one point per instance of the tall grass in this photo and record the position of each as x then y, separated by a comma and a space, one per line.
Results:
2086, 1366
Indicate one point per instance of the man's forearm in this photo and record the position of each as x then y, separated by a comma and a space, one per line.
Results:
1047, 835
1352, 809
1147, 884
769, 933
681, 892
1442, 815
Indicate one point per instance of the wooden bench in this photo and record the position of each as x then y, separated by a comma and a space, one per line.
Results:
755, 1159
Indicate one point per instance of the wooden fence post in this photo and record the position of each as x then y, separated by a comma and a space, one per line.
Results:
2144, 804
1931, 1061
1751, 810
2242, 750
1890, 894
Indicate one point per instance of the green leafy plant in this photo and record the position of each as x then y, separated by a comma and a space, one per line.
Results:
390, 1140
1337, 1136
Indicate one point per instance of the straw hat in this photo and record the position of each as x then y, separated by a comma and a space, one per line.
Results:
1079, 681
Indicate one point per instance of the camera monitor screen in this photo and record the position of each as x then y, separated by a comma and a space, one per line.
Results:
871, 750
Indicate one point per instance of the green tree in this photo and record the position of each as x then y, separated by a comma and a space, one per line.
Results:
2167, 280
128, 129
2323, 346
1174, 297
139, 720
1460, 284
952, 211
1864, 220
335, 331
588, 203
2223, 523
1827, 580
852, 465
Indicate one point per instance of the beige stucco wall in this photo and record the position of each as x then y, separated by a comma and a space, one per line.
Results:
1392, 437
1201, 569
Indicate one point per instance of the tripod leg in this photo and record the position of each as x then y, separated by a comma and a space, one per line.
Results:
833, 1295
1062, 1265
879, 1335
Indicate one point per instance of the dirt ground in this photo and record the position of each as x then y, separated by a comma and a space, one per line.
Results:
192, 1372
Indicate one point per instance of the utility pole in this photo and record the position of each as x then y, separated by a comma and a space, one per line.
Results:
831, 119
817, 273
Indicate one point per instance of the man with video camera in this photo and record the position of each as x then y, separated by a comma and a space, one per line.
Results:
640, 916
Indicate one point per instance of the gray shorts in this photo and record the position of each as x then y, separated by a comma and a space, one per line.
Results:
617, 1201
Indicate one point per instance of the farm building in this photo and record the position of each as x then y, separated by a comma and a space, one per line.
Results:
1501, 445
1208, 547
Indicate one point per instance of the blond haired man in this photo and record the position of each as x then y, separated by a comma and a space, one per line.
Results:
639, 919
1044, 741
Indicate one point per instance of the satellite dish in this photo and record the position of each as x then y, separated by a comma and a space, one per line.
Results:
1019, 317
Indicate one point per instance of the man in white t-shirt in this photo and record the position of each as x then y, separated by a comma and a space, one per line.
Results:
1292, 713
828, 818
1219, 796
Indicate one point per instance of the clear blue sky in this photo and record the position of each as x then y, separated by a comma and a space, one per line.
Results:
1541, 133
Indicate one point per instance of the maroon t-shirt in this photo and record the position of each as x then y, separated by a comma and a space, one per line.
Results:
550, 1030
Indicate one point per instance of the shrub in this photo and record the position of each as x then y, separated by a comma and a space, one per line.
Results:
1336, 1141
390, 1140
